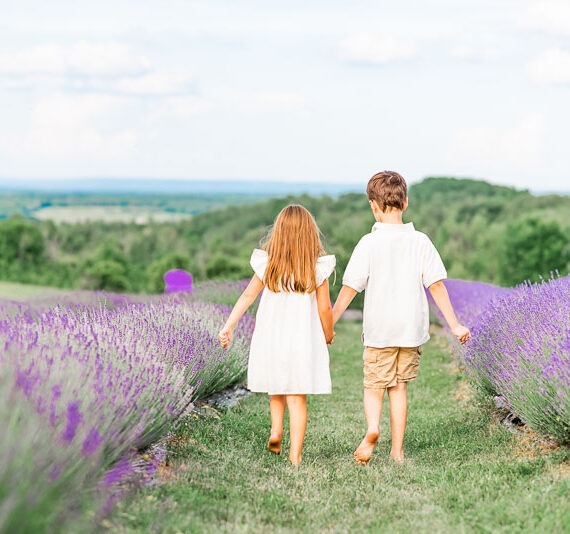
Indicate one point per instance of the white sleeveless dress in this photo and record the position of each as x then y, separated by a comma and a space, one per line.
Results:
289, 353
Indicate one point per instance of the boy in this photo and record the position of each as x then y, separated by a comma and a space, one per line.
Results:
393, 264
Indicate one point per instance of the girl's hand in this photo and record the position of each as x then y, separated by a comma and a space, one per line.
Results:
330, 341
225, 336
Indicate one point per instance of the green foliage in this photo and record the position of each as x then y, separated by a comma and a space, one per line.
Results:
21, 241
106, 274
533, 249
157, 268
466, 219
223, 266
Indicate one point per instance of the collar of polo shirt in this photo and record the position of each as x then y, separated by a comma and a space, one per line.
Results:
388, 227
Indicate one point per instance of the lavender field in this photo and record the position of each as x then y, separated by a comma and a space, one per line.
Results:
87, 382
88, 379
520, 349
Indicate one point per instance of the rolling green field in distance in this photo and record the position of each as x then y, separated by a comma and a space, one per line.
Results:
109, 214
116, 207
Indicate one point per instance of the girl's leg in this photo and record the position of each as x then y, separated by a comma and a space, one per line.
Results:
277, 404
297, 405
372, 412
398, 416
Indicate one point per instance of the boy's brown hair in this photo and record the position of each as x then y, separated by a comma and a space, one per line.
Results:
388, 189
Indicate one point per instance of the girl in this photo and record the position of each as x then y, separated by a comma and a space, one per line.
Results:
288, 356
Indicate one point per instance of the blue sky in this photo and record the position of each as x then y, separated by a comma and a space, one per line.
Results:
293, 91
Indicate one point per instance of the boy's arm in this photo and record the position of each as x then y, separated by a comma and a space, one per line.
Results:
325, 310
441, 298
243, 303
345, 297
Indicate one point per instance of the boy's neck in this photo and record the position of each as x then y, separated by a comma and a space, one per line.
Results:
389, 217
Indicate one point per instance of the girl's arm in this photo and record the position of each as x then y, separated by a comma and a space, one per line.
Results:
243, 303
441, 298
325, 310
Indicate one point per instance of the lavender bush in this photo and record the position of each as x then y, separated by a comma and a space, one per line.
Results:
520, 349
81, 386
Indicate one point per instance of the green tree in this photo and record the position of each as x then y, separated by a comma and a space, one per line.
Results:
225, 267
21, 241
157, 268
532, 249
106, 274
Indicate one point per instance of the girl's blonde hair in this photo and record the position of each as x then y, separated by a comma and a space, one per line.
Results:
293, 247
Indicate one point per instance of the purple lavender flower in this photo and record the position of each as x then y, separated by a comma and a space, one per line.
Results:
520, 348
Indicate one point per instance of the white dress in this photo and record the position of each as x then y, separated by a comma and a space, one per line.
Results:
289, 353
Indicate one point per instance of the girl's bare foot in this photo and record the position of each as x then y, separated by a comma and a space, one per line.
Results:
364, 451
274, 444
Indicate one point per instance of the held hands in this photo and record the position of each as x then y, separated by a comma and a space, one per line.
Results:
225, 336
461, 333
330, 340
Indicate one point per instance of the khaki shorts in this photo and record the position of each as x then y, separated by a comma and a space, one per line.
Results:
386, 367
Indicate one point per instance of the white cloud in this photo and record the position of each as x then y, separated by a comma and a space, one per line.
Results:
97, 59
264, 101
546, 16
91, 67
156, 84
493, 149
104, 59
551, 67
74, 127
375, 49
178, 107
44, 59
472, 53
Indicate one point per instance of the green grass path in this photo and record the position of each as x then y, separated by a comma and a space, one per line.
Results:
464, 472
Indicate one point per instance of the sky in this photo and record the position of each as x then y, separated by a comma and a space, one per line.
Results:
300, 90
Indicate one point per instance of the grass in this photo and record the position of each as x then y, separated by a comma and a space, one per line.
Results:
16, 291
464, 472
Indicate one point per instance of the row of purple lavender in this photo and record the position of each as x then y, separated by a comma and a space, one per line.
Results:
520, 348
81, 385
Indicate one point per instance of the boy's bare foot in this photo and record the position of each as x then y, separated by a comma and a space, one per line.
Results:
364, 451
295, 460
274, 444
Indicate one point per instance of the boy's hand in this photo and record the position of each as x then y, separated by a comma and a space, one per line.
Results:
331, 340
461, 333
225, 336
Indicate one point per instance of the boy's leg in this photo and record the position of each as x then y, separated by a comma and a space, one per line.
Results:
297, 405
398, 416
277, 404
407, 369
372, 411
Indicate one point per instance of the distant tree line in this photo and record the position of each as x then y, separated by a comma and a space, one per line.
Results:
484, 232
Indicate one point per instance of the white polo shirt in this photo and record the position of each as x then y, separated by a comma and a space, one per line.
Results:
393, 264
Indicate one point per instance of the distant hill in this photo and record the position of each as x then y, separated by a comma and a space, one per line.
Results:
484, 232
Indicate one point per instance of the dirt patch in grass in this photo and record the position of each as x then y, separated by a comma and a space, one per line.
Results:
464, 392
531, 445
561, 470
